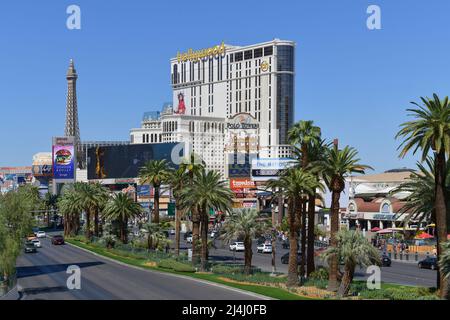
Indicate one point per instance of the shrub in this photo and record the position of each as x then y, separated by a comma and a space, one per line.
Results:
259, 277
175, 265
224, 269
318, 283
319, 274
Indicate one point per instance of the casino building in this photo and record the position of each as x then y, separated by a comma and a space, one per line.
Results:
228, 100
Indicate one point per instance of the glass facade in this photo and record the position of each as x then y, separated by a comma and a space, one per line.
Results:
285, 91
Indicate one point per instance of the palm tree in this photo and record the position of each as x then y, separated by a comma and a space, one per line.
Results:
122, 208
430, 131
177, 180
352, 249
244, 224
337, 165
304, 133
91, 198
294, 185
68, 206
50, 202
155, 173
208, 191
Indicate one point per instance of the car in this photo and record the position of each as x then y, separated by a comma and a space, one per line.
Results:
264, 248
172, 231
36, 243
261, 240
189, 239
428, 263
29, 247
386, 261
57, 240
237, 246
187, 234
213, 234
285, 258
40, 234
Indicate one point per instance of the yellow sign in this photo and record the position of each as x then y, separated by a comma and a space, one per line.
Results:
192, 55
264, 66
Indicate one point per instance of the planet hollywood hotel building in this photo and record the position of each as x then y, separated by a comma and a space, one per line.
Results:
228, 101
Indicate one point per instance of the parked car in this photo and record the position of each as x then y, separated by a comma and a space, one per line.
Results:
237, 246
386, 261
187, 234
213, 234
57, 240
264, 248
285, 258
189, 239
261, 240
29, 247
428, 263
172, 231
40, 234
36, 243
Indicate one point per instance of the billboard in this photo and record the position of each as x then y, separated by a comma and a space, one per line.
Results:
264, 169
63, 159
125, 161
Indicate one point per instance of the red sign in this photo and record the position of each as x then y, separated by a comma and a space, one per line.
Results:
238, 185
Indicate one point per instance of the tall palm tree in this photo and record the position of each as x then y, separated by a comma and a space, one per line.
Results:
430, 131
294, 185
304, 134
444, 261
91, 197
50, 202
122, 208
244, 224
208, 191
352, 249
177, 180
155, 173
337, 165
68, 205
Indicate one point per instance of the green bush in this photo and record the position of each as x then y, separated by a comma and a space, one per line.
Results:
224, 269
318, 283
319, 274
175, 265
399, 293
259, 277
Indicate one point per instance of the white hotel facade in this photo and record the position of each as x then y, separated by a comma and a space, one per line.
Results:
226, 100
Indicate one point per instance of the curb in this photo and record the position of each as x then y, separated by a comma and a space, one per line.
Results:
256, 295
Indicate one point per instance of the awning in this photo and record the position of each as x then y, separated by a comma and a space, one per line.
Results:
385, 231
424, 235
375, 229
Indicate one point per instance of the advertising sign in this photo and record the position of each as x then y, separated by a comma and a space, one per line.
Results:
264, 169
64, 159
239, 184
143, 191
125, 161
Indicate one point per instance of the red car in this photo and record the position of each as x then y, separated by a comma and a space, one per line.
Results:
57, 240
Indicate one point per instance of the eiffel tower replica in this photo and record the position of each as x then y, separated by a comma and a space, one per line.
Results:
72, 128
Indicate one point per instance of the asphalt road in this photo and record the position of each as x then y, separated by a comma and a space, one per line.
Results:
43, 276
404, 273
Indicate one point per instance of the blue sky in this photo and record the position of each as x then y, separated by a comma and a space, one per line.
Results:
353, 82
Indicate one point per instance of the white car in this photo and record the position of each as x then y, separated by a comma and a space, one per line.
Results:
237, 246
40, 234
189, 239
264, 248
172, 231
36, 243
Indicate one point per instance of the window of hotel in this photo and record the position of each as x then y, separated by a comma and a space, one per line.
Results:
386, 208
231, 57
258, 52
268, 51
238, 56
248, 55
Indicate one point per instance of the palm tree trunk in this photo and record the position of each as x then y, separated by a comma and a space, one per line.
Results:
441, 217
333, 261
274, 245
248, 255
177, 230
346, 281
195, 235
303, 240
123, 231
310, 267
204, 231
88, 226
96, 222
292, 265
156, 208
